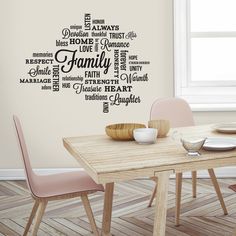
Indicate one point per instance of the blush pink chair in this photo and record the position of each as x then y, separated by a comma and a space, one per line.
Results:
178, 112
45, 188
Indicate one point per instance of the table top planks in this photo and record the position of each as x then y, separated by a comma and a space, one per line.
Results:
107, 160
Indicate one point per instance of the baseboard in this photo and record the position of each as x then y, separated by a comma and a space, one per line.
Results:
18, 174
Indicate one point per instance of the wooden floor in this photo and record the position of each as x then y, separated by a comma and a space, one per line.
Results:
200, 217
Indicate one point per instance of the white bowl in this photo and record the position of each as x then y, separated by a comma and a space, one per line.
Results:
145, 135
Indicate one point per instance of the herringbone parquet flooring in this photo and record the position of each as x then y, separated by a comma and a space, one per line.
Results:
199, 217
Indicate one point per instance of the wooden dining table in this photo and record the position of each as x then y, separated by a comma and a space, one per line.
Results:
108, 161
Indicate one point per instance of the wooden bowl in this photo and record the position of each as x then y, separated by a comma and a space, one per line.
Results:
163, 127
123, 131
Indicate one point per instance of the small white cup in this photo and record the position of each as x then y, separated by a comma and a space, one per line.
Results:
145, 135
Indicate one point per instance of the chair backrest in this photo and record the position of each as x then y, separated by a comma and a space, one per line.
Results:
30, 175
176, 110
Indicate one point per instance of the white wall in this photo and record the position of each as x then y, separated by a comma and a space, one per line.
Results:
29, 26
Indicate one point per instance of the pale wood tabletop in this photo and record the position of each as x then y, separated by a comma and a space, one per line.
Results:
109, 161
106, 159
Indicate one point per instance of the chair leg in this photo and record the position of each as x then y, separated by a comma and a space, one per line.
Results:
154, 178
39, 215
194, 184
217, 189
153, 196
89, 213
33, 212
178, 197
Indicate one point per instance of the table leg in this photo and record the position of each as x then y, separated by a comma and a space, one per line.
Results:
161, 203
194, 183
107, 209
179, 177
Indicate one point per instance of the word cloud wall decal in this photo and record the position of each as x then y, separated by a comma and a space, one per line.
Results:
95, 60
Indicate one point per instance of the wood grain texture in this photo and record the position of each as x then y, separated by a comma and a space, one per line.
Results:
202, 216
122, 131
163, 127
107, 160
107, 209
194, 183
40, 204
38, 217
89, 213
33, 212
178, 197
153, 196
159, 228
217, 188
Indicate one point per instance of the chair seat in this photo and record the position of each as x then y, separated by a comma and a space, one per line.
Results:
64, 183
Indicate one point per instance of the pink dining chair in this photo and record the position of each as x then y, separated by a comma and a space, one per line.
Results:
46, 188
179, 113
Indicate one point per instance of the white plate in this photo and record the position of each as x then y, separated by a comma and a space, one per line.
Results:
228, 128
219, 144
